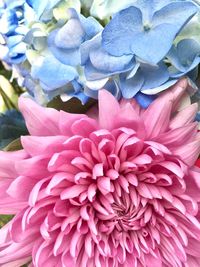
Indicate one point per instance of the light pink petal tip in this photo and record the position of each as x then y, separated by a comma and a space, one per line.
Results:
39, 121
108, 109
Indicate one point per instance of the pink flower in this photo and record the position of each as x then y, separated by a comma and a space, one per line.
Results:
117, 190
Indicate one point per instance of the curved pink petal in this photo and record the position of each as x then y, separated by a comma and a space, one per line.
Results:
39, 121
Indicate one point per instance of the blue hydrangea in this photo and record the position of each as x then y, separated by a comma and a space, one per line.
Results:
14, 16
138, 49
141, 51
58, 51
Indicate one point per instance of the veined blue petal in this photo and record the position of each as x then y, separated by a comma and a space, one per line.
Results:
129, 33
175, 13
119, 35
92, 54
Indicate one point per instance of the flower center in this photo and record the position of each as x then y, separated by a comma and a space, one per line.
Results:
127, 216
146, 27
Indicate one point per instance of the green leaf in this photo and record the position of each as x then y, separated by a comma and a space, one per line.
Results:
72, 106
4, 219
14, 145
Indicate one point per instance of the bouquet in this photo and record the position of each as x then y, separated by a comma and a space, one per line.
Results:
99, 133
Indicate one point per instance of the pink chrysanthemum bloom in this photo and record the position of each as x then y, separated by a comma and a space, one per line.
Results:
117, 189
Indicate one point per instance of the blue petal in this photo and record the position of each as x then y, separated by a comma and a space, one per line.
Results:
8, 22
126, 34
154, 76
120, 33
148, 8
130, 87
93, 74
186, 56
111, 86
197, 118
160, 88
90, 25
176, 14
82, 97
102, 61
52, 73
87, 46
95, 68
150, 47
144, 100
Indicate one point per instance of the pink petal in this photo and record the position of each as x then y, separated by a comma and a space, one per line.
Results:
37, 145
20, 188
157, 116
39, 121
188, 152
66, 120
9, 205
108, 109
178, 136
184, 116
84, 127
73, 191
7, 163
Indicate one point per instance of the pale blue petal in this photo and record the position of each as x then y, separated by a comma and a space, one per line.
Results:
87, 46
52, 73
40, 6
71, 35
93, 73
95, 68
66, 56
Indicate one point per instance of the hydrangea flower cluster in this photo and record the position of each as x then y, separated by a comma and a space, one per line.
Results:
14, 18
139, 52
